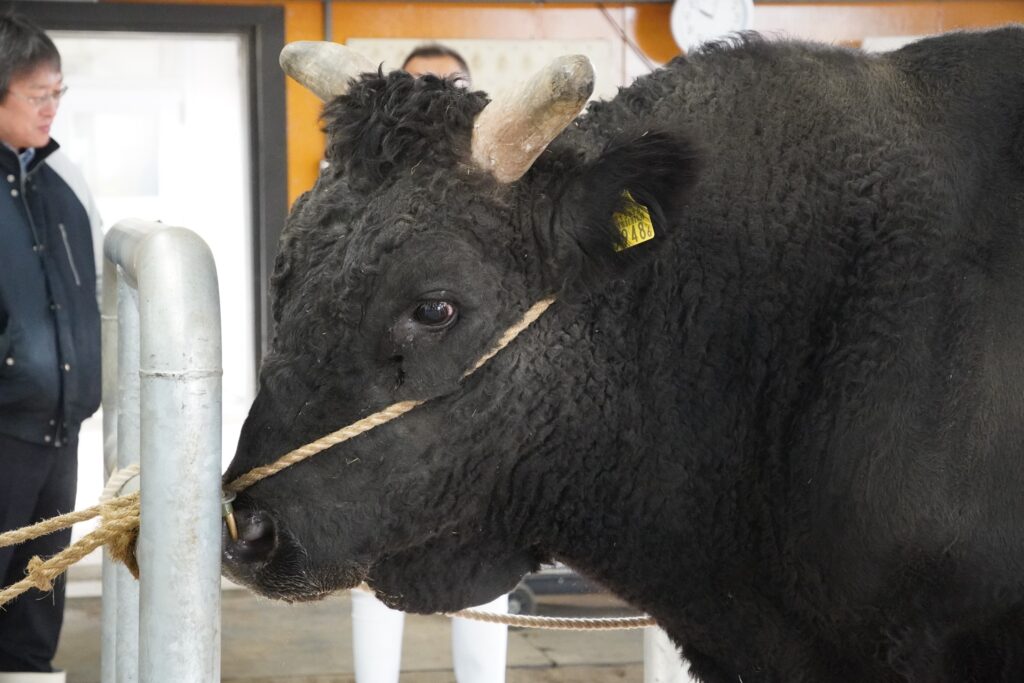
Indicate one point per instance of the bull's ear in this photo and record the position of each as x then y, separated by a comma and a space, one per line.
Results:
618, 210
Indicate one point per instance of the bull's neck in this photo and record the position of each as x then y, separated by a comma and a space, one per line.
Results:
672, 437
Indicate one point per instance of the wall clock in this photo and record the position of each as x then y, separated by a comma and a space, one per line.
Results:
697, 21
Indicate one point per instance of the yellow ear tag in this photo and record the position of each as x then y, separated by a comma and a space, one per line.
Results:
634, 223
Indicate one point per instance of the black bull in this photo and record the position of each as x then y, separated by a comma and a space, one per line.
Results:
788, 426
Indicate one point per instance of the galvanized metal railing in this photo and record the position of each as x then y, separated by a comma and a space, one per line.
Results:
162, 409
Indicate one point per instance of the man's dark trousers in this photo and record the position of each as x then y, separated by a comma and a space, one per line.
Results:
36, 482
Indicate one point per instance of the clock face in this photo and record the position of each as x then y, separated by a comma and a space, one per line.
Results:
697, 21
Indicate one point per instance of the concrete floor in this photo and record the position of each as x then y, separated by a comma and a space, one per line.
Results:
272, 642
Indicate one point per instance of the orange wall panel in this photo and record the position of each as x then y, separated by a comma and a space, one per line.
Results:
851, 22
466, 20
302, 21
652, 34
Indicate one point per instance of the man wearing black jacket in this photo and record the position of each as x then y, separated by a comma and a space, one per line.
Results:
49, 336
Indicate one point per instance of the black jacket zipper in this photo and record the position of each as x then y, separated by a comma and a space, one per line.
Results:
67, 250
35, 232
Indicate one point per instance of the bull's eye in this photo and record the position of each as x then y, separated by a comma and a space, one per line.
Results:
435, 313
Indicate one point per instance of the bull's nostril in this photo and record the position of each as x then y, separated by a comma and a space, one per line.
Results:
257, 537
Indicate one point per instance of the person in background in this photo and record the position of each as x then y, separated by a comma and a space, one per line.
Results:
49, 336
438, 60
479, 650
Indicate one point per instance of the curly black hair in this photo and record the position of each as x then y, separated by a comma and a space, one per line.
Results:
390, 122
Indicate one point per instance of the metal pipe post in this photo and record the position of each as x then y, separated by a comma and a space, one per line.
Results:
180, 436
128, 444
108, 621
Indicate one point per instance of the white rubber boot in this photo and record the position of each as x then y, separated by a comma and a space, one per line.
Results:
479, 650
31, 677
376, 639
662, 661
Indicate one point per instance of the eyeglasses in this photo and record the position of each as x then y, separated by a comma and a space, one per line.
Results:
41, 101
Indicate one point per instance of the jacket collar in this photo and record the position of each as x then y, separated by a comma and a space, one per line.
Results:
9, 159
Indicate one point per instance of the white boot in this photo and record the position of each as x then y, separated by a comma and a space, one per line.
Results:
376, 639
31, 677
478, 648
662, 661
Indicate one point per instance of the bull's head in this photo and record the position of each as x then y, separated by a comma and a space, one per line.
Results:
439, 221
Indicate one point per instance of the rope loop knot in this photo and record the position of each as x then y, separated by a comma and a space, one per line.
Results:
41, 576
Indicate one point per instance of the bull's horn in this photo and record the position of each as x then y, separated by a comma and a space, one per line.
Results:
324, 68
512, 131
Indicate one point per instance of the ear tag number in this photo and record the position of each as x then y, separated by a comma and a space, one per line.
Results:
634, 223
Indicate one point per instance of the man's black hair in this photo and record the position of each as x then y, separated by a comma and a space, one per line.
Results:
437, 50
23, 48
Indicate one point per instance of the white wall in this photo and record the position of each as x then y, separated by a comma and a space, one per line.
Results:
887, 43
